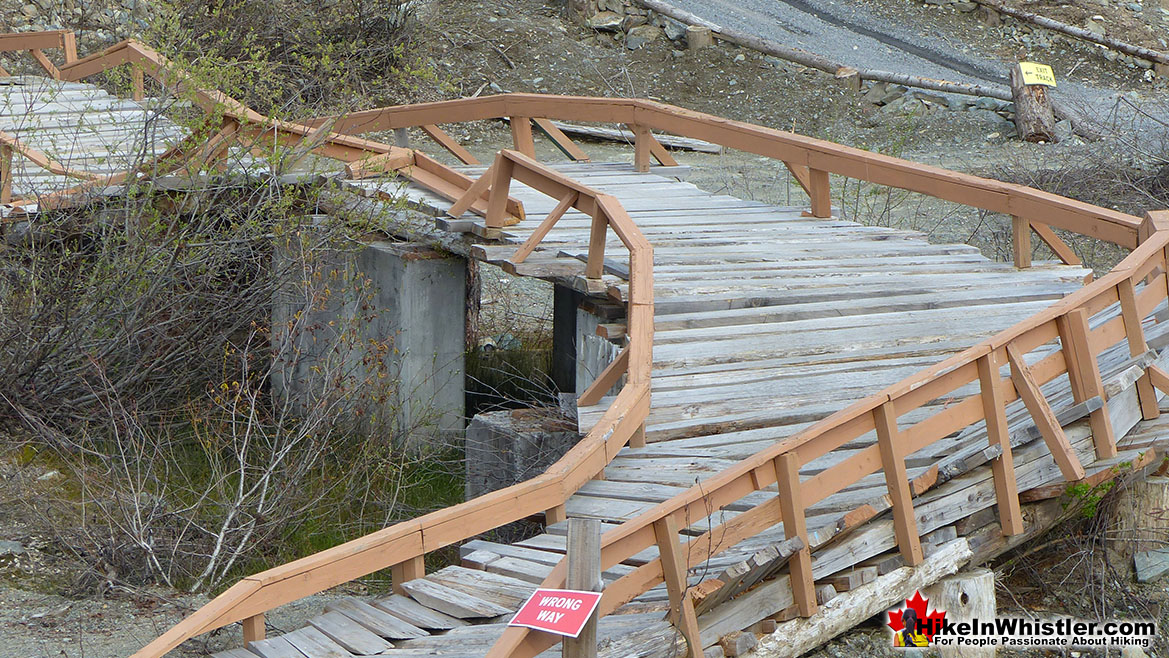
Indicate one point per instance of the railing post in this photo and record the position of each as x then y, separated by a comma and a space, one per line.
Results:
555, 515
1137, 346
584, 575
637, 439
69, 45
1021, 241
641, 147
1084, 375
791, 510
500, 188
5, 173
404, 572
1049, 427
138, 79
674, 569
521, 136
595, 266
994, 410
821, 193
255, 628
897, 480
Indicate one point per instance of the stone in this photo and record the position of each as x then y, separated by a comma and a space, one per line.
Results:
50, 476
641, 35
1133, 652
876, 92
1095, 25
674, 30
891, 94
1063, 130
506, 447
1133, 6
740, 58
615, 6
606, 21
30, 11
966, 7
11, 548
1151, 565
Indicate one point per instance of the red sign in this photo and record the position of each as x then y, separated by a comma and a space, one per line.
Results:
560, 611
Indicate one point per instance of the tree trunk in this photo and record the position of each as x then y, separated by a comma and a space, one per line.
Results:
965, 596
1141, 520
1033, 115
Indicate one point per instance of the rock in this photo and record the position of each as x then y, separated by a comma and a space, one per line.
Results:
11, 548
1095, 25
1133, 652
966, 6
1063, 130
1151, 565
606, 21
740, 58
891, 94
1133, 6
632, 20
673, 29
30, 11
641, 35
876, 92
50, 476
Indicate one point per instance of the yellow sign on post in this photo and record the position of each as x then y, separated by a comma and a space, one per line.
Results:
1037, 74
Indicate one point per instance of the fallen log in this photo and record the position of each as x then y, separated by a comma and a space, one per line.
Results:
1080, 33
821, 63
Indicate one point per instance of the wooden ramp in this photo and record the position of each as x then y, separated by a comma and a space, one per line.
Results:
766, 321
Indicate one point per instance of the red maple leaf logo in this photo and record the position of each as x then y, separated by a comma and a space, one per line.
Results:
931, 622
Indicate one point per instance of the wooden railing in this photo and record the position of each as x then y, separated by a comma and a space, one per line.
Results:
36, 43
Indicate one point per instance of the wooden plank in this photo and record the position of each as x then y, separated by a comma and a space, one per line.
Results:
346, 632
315, 644
234, 653
795, 525
416, 614
1003, 466
1057, 245
554, 132
1084, 376
1137, 345
447, 142
274, 647
451, 602
1021, 241
376, 620
674, 565
627, 137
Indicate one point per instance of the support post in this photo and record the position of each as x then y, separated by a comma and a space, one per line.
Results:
69, 45
897, 480
404, 572
791, 509
641, 144
500, 187
565, 302
674, 568
584, 575
402, 138
595, 266
1084, 375
521, 136
1021, 241
554, 515
1044, 417
821, 193
1137, 346
994, 409
255, 628
138, 79
5, 174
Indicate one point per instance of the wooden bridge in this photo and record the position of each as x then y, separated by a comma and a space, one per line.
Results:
797, 405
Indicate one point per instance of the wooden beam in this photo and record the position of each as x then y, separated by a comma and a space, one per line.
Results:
802, 176
447, 142
1021, 241
521, 136
500, 186
659, 152
255, 628
994, 409
405, 571
474, 192
5, 173
584, 575
1044, 417
14, 41
39, 56
562, 141
897, 481
821, 193
138, 83
795, 524
541, 231
598, 234
606, 380
674, 569
1135, 333
69, 45
1084, 376
1159, 378
1057, 245
555, 514
641, 147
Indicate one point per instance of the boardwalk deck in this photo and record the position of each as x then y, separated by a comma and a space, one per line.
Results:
766, 320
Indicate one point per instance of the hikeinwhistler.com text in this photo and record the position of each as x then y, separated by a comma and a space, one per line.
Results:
1011, 632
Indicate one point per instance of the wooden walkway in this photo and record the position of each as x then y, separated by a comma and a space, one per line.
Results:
765, 321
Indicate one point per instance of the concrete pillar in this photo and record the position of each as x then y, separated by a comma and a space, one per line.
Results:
593, 353
565, 302
507, 447
378, 330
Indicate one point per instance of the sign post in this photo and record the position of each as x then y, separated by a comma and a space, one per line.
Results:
571, 612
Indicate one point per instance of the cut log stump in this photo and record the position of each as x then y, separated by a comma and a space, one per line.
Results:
1033, 115
965, 596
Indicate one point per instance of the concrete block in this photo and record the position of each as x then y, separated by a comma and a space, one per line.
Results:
379, 330
506, 447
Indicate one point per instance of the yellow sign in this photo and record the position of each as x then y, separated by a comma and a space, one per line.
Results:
1037, 74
